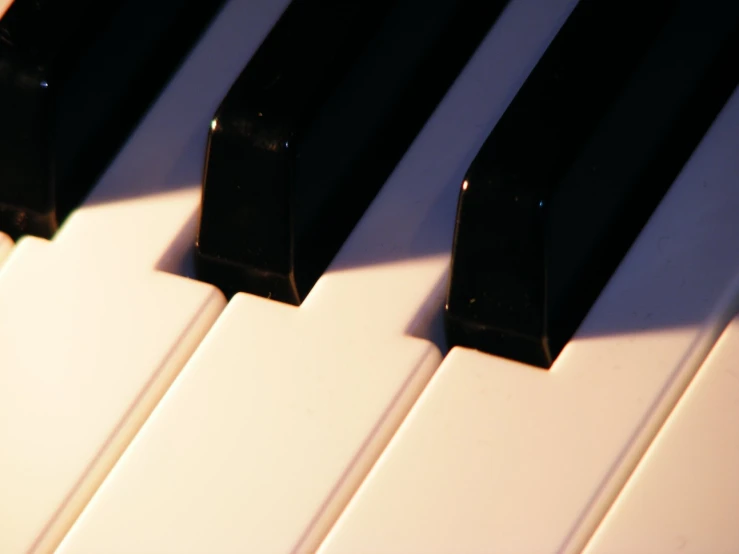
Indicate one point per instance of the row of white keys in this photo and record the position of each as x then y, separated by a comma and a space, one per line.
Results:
497, 456
92, 328
684, 495
276, 419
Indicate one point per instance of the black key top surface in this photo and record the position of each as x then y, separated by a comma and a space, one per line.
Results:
578, 162
75, 78
314, 126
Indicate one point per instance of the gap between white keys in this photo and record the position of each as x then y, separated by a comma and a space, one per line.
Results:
497, 456
91, 332
684, 495
273, 423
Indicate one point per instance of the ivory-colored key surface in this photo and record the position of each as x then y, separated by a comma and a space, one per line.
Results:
497, 456
4, 5
6, 244
684, 495
273, 423
92, 327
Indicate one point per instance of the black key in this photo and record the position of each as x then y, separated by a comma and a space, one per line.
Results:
578, 162
313, 127
75, 78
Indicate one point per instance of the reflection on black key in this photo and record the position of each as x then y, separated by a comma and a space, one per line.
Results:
578, 162
313, 127
75, 77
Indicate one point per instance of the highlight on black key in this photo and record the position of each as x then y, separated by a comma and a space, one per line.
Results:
578, 162
313, 127
75, 78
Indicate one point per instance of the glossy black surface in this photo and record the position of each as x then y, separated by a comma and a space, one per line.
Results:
578, 162
313, 127
75, 78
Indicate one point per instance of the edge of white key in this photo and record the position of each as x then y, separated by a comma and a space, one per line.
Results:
6, 245
4, 5
499, 456
113, 358
684, 494
350, 334
249, 435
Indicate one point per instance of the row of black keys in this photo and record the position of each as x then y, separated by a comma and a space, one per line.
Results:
329, 104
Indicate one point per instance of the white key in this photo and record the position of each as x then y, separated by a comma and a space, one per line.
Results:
497, 456
684, 495
278, 416
4, 5
6, 244
92, 332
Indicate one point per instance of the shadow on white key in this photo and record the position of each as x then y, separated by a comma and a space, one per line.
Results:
91, 331
280, 413
684, 495
497, 456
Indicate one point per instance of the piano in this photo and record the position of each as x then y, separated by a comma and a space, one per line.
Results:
141, 411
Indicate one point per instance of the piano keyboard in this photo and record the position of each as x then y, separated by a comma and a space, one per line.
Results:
143, 412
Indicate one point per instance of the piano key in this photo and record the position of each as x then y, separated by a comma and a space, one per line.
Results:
6, 243
497, 456
93, 327
282, 409
4, 5
571, 173
319, 118
75, 78
684, 495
